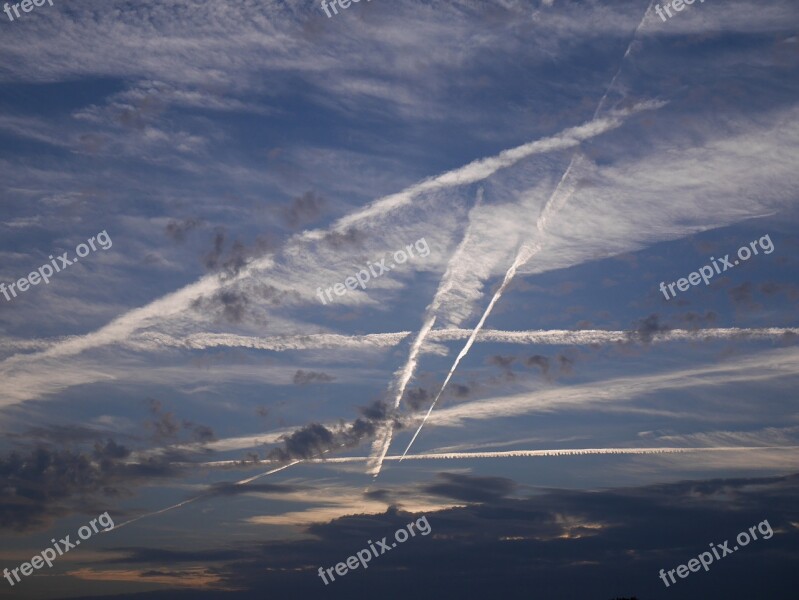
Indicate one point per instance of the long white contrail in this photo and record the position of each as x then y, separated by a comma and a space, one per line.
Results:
559, 196
385, 434
449, 456
553, 337
483, 168
504, 454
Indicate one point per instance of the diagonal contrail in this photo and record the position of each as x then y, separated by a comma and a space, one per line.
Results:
559, 197
382, 442
205, 495
242, 482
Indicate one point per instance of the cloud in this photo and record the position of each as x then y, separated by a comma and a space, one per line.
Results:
585, 542
469, 488
307, 377
42, 483
646, 329
177, 230
303, 210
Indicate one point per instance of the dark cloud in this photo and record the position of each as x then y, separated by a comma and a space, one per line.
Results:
351, 238
503, 362
742, 294
565, 364
229, 263
211, 260
563, 543
227, 304
163, 423
542, 362
42, 483
460, 391
416, 398
166, 426
307, 377
234, 489
61, 434
646, 329
470, 488
377, 411
307, 442
302, 210
771, 288
315, 440
177, 230
200, 433
696, 320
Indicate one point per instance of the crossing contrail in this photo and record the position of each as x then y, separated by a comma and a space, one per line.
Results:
556, 201
382, 442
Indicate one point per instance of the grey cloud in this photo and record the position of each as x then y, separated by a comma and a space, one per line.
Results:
585, 543
503, 362
177, 230
646, 329
307, 377
470, 488
696, 320
351, 238
315, 440
303, 210
43, 483
227, 304
416, 398
542, 362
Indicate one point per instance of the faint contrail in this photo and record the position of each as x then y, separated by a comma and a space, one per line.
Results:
242, 482
206, 494
552, 206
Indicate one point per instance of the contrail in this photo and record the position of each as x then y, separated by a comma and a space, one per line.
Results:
551, 207
553, 337
124, 326
483, 168
242, 482
450, 456
507, 454
382, 442
205, 495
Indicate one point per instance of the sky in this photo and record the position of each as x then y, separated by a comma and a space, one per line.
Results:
276, 285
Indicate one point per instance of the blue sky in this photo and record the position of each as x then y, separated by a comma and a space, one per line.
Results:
240, 156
